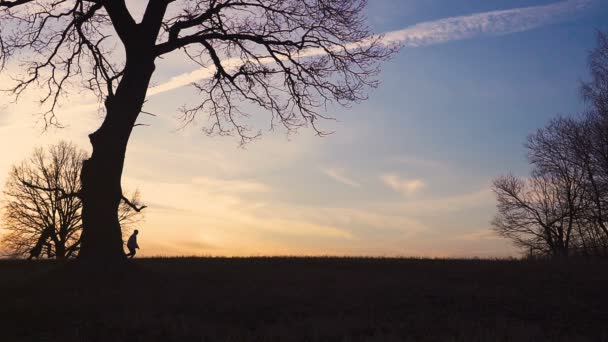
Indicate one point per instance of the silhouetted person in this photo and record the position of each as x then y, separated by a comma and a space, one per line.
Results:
132, 244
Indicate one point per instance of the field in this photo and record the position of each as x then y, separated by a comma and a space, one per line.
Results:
306, 299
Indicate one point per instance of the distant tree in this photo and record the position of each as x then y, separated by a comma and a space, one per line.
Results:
41, 217
563, 208
289, 57
582, 138
595, 92
565, 153
591, 144
538, 214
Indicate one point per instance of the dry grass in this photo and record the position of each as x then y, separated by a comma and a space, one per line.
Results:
307, 299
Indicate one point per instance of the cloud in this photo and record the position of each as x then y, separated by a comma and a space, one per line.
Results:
3, 117
230, 215
401, 185
299, 228
417, 162
447, 204
493, 23
479, 235
196, 75
374, 221
338, 175
440, 31
230, 186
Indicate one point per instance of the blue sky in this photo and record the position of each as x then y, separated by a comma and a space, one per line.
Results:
405, 173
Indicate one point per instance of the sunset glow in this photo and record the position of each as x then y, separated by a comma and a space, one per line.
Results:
406, 173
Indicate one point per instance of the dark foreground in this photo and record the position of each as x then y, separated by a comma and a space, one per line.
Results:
287, 299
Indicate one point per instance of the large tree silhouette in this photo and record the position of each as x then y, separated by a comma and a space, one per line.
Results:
290, 57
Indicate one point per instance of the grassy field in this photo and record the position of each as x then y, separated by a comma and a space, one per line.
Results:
307, 299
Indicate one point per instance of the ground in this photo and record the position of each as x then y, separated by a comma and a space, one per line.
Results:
306, 299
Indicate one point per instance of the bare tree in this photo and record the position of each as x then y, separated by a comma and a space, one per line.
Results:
538, 214
595, 92
544, 213
584, 140
290, 57
563, 208
569, 182
592, 143
41, 217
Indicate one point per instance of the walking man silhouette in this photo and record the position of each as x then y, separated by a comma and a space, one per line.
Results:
132, 244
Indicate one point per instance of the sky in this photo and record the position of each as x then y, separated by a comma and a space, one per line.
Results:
406, 173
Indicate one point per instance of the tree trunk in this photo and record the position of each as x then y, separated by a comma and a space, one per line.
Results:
101, 174
60, 251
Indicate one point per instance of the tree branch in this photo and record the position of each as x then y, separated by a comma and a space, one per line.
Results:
9, 4
64, 194
133, 205
153, 19
123, 22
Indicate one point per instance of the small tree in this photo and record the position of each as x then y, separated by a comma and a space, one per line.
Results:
538, 214
41, 217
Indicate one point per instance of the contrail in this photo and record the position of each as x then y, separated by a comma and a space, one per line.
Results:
493, 23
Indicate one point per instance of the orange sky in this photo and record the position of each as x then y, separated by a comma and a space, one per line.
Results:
365, 190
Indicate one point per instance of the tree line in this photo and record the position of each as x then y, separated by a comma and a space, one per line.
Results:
561, 208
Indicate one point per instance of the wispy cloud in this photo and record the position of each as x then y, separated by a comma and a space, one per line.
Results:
418, 162
449, 204
487, 23
3, 117
479, 235
230, 186
402, 185
440, 31
196, 75
339, 175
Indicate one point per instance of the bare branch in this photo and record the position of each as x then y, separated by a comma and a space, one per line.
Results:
291, 58
64, 195
133, 205
9, 4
